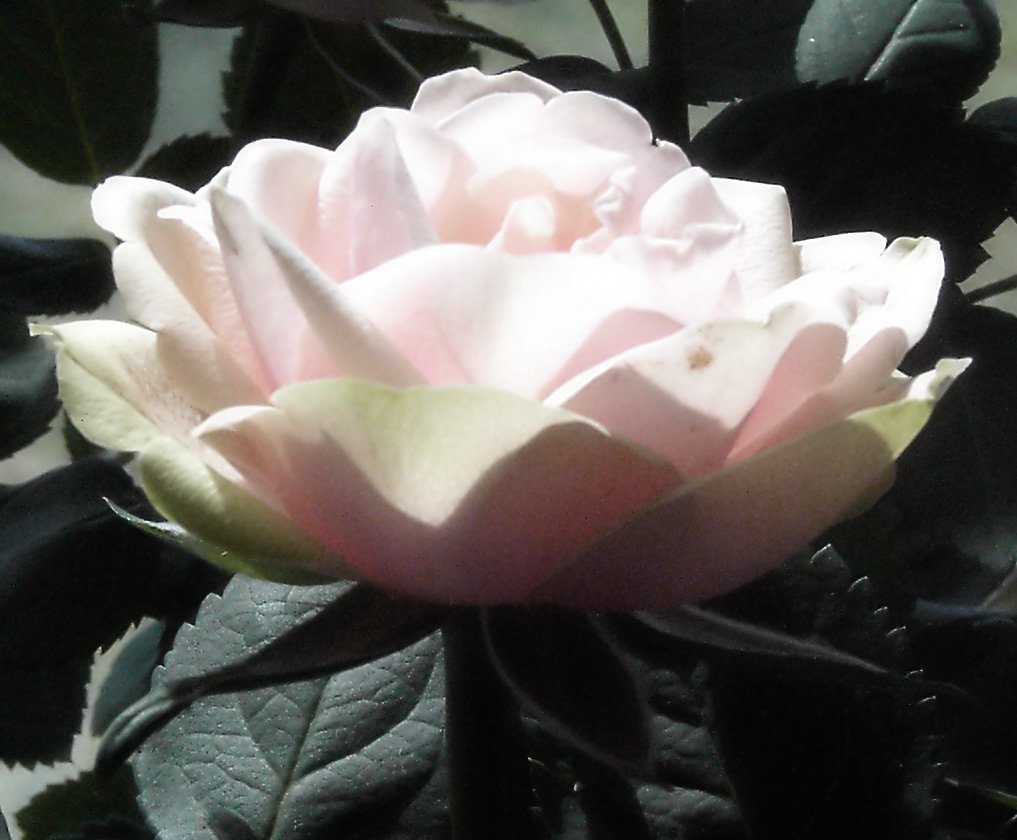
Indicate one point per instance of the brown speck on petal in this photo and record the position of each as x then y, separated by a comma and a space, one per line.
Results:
699, 357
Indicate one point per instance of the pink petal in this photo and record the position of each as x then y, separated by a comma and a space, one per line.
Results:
462, 314
171, 275
686, 396
766, 257
619, 208
442, 96
279, 178
894, 295
715, 534
126, 206
271, 317
440, 170
841, 252
686, 206
452, 495
368, 210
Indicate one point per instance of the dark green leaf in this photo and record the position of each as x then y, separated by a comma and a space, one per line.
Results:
976, 811
567, 672
340, 756
189, 162
54, 276
948, 527
945, 45
425, 816
677, 812
575, 72
609, 801
129, 676
310, 81
978, 652
687, 793
213, 13
864, 158
279, 84
73, 577
820, 760
720, 634
823, 759
447, 26
41, 709
999, 115
352, 11
71, 808
28, 388
5, 833
740, 48
77, 87
290, 632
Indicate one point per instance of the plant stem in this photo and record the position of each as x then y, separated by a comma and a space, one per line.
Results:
667, 36
999, 287
407, 67
612, 33
275, 39
489, 779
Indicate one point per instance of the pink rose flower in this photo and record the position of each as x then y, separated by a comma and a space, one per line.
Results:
500, 347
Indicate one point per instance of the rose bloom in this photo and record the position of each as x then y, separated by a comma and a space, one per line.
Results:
500, 347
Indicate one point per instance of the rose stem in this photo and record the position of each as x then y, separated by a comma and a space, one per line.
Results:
667, 36
394, 53
998, 287
274, 43
489, 780
612, 33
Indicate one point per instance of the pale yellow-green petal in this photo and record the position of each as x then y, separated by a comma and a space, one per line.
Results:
459, 494
236, 530
112, 386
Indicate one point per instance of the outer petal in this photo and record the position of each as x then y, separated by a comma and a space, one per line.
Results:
113, 387
171, 274
840, 252
895, 295
619, 207
448, 494
124, 206
731, 526
236, 530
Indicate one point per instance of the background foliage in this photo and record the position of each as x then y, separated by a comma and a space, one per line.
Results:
864, 690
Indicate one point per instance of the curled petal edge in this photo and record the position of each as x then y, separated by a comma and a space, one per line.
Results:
729, 527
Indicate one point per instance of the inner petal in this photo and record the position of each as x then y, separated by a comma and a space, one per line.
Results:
462, 314
686, 396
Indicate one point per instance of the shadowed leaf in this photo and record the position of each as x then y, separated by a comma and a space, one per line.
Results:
77, 87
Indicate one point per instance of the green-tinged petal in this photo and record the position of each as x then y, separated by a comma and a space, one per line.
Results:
734, 525
466, 495
233, 528
114, 390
